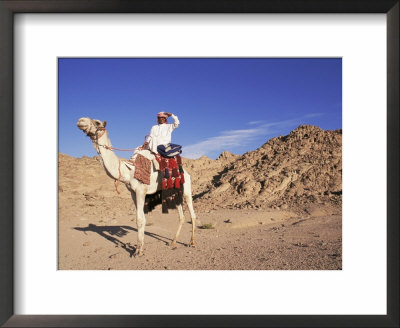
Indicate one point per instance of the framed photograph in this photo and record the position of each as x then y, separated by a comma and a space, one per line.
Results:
242, 71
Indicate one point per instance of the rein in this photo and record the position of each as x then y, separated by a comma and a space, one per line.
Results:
107, 147
95, 140
116, 182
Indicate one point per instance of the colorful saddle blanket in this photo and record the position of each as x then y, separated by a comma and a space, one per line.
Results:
142, 169
173, 179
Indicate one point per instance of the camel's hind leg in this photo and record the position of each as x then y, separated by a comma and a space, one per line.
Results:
139, 199
181, 221
187, 193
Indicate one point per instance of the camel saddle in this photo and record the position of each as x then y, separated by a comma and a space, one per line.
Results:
141, 163
172, 175
172, 181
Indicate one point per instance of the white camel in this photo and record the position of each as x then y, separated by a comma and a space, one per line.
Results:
95, 129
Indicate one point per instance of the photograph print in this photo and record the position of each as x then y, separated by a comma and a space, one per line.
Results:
200, 164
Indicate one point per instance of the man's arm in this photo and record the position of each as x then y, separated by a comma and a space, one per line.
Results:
176, 120
148, 138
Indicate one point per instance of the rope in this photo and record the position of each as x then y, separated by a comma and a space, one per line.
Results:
116, 182
140, 147
112, 148
109, 147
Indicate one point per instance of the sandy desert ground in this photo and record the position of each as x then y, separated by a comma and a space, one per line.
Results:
275, 208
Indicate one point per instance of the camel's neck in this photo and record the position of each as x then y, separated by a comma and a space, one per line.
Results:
109, 160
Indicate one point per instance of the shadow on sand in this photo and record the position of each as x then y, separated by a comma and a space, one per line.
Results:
112, 232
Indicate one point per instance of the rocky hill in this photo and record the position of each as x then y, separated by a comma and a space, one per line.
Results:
300, 171
289, 171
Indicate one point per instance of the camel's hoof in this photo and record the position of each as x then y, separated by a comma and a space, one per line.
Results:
138, 253
172, 243
192, 244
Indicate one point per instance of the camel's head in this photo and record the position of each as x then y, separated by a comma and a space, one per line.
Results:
89, 126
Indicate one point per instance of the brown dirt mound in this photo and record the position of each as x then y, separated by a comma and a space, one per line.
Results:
295, 171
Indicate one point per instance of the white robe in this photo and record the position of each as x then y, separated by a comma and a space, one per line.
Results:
161, 134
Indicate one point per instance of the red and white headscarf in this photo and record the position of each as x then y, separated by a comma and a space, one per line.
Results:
161, 114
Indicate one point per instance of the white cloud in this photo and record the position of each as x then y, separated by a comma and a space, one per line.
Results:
255, 122
226, 140
314, 115
234, 138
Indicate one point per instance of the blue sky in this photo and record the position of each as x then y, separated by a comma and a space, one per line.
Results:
234, 104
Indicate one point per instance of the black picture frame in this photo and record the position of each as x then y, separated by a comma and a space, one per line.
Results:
10, 7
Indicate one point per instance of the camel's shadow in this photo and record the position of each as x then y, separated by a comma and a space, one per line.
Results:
111, 232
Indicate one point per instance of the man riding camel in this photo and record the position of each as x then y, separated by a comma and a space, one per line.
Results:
159, 140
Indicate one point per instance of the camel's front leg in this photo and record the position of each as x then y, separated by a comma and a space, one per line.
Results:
181, 221
140, 221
